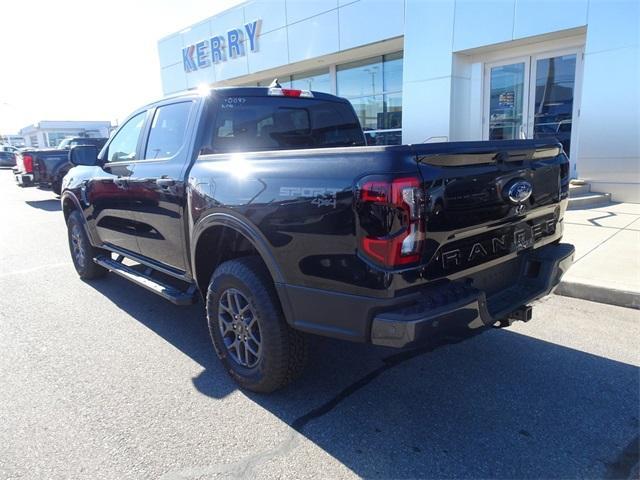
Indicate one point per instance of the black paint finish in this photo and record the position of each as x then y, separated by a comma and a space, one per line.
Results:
299, 208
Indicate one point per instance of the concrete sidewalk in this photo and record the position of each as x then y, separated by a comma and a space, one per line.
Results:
607, 261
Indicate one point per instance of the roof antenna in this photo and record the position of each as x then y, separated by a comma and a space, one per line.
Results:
275, 84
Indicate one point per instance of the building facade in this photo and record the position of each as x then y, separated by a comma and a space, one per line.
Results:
49, 133
443, 70
12, 140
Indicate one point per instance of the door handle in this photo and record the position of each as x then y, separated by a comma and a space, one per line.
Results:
165, 182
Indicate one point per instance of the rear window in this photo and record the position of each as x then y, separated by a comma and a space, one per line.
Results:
98, 142
276, 123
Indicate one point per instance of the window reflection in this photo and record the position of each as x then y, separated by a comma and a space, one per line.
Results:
555, 83
374, 87
318, 80
506, 107
392, 72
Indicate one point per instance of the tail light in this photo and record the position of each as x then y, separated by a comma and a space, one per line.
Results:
392, 220
289, 92
27, 162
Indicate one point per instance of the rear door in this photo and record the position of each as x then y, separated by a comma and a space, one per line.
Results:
109, 191
157, 185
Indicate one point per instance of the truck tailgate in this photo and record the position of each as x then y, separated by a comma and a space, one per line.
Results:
484, 200
45, 162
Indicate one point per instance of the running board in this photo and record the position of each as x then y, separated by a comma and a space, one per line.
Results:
174, 295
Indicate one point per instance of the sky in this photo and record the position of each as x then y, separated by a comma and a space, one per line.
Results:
86, 60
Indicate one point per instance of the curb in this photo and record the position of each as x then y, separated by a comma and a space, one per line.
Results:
611, 296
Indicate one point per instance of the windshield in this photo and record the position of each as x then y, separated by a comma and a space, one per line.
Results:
64, 143
246, 123
72, 142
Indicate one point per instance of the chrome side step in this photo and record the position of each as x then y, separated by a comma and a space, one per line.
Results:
173, 294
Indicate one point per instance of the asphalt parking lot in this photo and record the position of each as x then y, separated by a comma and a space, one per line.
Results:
105, 380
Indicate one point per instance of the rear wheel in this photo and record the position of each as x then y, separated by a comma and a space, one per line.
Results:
251, 337
57, 187
82, 252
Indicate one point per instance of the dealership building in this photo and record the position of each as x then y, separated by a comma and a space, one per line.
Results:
49, 133
443, 70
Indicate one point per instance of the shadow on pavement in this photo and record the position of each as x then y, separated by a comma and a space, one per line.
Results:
500, 405
52, 205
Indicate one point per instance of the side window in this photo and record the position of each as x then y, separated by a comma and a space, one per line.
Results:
168, 130
123, 146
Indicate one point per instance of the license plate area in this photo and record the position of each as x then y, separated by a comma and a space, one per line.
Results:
469, 252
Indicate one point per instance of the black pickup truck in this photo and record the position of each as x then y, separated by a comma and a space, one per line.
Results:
46, 167
267, 204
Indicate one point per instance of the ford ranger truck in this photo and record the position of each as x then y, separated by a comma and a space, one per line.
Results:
267, 205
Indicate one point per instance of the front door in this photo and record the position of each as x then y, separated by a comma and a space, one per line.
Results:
109, 193
533, 97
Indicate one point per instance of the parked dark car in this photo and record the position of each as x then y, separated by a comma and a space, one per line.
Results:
46, 167
264, 203
7, 156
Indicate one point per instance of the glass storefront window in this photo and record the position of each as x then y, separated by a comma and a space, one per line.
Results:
392, 72
369, 110
506, 102
379, 112
54, 138
374, 88
554, 90
318, 80
358, 79
392, 111
377, 137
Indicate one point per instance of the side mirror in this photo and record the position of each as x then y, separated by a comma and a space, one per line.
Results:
84, 155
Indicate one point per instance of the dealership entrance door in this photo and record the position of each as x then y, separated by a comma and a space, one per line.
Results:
533, 97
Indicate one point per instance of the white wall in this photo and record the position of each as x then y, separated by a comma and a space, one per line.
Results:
609, 149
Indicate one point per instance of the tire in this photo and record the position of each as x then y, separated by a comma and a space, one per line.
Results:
57, 187
272, 353
82, 252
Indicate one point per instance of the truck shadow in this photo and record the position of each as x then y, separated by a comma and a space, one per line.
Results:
500, 405
51, 205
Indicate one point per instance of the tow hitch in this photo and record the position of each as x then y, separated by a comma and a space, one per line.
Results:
521, 314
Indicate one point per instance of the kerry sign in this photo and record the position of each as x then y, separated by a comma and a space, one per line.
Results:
220, 48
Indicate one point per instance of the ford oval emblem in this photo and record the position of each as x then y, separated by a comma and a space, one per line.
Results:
519, 191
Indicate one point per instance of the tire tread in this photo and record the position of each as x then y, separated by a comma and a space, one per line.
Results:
289, 355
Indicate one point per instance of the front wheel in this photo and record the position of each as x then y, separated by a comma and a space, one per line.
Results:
82, 252
251, 337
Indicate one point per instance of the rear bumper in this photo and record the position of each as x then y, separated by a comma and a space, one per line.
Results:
459, 305
493, 295
24, 179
